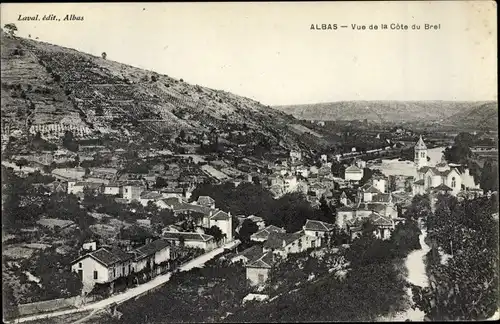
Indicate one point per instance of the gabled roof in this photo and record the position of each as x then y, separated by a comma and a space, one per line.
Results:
372, 190
265, 261
380, 220
420, 144
314, 225
172, 201
343, 195
353, 169
255, 219
419, 182
188, 236
194, 208
220, 215
205, 200
276, 239
251, 253
151, 248
265, 232
442, 187
107, 256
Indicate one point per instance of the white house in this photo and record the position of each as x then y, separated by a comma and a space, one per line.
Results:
318, 229
285, 243
353, 173
131, 192
112, 189
193, 240
102, 266
224, 222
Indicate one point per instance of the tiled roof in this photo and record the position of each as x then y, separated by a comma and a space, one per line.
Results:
378, 207
276, 239
381, 197
194, 208
265, 261
251, 253
172, 201
264, 233
372, 190
380, 220
188, 236
91, 185
151, 195
314, 225
108, 256
353, 169
220, 215
205, 200
151, 248
442, 187
419, 182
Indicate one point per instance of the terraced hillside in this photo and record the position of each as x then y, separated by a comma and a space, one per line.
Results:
51, 88
385, 111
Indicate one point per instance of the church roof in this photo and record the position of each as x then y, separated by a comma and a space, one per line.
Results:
420, 144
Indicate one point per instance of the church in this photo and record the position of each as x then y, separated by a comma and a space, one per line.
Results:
443, 177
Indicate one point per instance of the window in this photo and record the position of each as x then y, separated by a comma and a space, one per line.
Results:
453, 182
95, 274
114, 272
429, 181
123, 270
260, 278
313, 244
129, 268
422, 154
79, 265
317, 234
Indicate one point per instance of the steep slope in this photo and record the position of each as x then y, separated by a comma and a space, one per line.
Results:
484, 116
380, 111
47, 87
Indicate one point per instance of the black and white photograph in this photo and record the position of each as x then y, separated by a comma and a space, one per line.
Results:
244, 162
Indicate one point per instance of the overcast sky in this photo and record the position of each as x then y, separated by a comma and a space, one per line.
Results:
268, 51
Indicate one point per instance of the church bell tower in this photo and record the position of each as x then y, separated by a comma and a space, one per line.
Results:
420, 153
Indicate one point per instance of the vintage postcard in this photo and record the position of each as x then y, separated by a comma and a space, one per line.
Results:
249, 162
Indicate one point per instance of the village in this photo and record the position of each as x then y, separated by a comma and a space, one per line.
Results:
167, 228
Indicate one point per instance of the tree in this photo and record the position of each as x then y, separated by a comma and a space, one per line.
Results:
466, 286
489, 176
104, 55
248, 228
161, 182
216, 233
11, 28
21, 163
69, 141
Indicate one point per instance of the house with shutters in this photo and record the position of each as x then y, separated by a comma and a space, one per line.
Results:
103, 265
321, 230
286, 243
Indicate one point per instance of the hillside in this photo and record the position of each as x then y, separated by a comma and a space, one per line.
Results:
51, 89
484, 116
385, 111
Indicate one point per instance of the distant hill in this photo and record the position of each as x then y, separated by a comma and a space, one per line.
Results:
484, 116
384, 111
45, 86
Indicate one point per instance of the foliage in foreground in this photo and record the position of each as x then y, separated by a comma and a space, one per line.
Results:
466, 286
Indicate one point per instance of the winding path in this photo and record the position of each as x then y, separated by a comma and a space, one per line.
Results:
417, 275
133, 292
